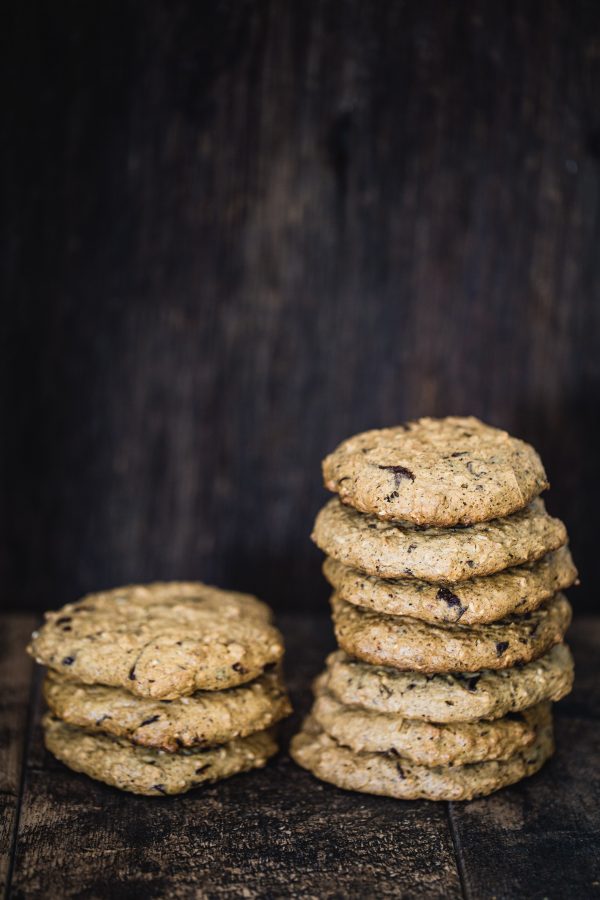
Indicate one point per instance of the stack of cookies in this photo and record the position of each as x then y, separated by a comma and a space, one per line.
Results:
156, 689
447, 574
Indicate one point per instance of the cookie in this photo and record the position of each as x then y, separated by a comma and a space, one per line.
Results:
163, 640
399, 550
152, 772
427, 743
203, 719
405, 643
480, 600
391, 775
460, 697
453, 471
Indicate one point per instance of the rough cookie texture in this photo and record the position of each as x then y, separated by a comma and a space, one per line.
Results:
518, 590
162, 640
203, 719
406, 643
153, 772
436, 472
394, 776
459, 697
427, 743
397, 550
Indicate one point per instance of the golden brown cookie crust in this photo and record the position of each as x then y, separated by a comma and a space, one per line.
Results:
436, 472
479, 600
389, 775
163, 640
458, 697
203, 719
153, 772
410, 644
427, 743
445, 555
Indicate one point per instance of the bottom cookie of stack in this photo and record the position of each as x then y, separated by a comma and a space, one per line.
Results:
124, 765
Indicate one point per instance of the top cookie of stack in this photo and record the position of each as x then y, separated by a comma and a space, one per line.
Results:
158, 688
443, 561
453, 471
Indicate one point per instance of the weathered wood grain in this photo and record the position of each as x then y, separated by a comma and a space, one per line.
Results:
541, 838
281, 833
277, 833
236, 232
15, 683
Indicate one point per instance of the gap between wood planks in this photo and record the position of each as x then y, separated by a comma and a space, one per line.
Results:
458, 854
18, 681
29, 720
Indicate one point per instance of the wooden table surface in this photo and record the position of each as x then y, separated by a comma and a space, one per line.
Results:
280, 832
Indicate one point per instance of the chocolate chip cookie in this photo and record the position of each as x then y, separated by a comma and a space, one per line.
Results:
410, 644
442, 555
152, 772
203, 719
436, 472
427, 743
163, 640
450, 697
520, 589
391, 775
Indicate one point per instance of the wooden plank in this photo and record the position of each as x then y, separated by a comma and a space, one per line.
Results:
541, 838
15, 683
275, 833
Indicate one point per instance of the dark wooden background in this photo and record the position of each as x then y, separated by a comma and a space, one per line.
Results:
234, 233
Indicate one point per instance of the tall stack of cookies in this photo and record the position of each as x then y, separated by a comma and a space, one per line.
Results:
447, 574
157, 689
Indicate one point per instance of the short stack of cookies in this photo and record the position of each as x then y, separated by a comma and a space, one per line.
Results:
157, 689
448, 611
